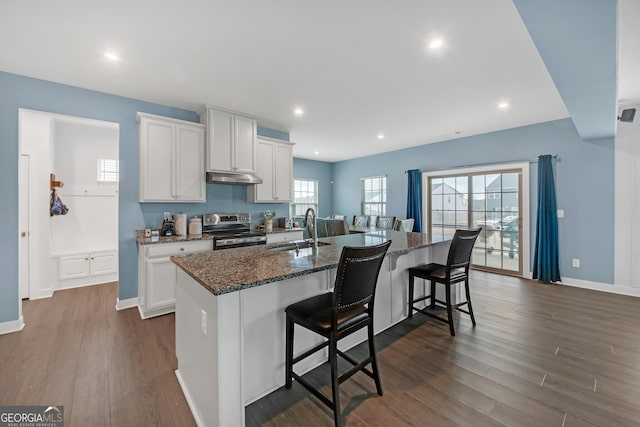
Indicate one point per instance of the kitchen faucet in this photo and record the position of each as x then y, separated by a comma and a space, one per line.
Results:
315, 225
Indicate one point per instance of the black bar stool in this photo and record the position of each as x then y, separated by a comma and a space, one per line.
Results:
337, 314
456, 270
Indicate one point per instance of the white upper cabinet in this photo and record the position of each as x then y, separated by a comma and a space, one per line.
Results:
171, 160
231, 141
275, 167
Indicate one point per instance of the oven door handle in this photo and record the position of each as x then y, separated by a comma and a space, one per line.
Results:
245, 240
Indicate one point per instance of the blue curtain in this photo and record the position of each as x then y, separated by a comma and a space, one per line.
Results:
545, 262
414, 198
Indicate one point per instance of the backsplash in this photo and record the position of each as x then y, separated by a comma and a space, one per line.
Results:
221, 198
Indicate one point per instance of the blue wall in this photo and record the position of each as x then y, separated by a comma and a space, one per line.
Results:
23, 92
584, 184
323, 172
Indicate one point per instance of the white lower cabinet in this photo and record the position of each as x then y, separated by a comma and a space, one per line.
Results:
84, 269
88, 264
157, 275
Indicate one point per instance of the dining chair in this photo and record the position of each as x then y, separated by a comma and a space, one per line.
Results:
404, 225
336, 315
456, 270
361, 220
336, 227
385, 222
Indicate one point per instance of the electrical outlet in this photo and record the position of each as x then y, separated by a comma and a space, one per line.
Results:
203, 322
560, 213
575, 263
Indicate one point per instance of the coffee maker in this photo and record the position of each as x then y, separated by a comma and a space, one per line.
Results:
168, 225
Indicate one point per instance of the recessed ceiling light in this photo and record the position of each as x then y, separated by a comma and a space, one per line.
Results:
380, 136
436, 43
111, 56
298, 111
503, 105
316, 152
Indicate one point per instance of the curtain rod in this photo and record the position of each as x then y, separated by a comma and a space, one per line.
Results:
531, 160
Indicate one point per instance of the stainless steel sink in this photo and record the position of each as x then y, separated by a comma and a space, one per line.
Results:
297, 245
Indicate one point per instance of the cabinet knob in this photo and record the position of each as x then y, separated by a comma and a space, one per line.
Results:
92, 258
23, 234
182, 249
86, 259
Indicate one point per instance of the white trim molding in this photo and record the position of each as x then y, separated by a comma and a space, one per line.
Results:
123, 304
12, 326
603, 287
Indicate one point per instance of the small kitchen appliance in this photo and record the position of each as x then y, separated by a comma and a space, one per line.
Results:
168, 226
231, 231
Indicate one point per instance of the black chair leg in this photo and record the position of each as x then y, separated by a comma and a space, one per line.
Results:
289, 353
333, 362
433, 294
449, 310
411, 284
374, 359
466, 289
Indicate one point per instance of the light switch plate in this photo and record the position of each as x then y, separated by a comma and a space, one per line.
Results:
560, 213
575, 263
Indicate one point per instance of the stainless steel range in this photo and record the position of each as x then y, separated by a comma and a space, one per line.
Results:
231, 231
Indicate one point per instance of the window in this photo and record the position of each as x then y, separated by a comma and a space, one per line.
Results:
374, 195
305, 196
490, 199
108, 170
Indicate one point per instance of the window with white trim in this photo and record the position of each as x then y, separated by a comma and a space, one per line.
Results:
108, 171
305, 196
374, 195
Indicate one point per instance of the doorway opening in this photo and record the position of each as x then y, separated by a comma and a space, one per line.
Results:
60, 249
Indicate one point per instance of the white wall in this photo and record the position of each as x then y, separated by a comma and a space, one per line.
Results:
92, 221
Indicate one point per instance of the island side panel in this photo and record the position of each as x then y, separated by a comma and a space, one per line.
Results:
263, 320
209, 364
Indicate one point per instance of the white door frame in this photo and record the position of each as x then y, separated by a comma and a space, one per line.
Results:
23, 226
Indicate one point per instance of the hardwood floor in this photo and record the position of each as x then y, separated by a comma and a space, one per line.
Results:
541, 355
107, 368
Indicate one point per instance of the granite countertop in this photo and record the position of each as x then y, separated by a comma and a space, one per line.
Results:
235, 269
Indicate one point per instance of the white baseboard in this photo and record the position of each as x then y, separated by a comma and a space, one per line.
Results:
123, 304
12, 326
85, 281
190, 402
604, 287
42, 293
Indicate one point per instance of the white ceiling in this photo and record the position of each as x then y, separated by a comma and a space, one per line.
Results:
358, 67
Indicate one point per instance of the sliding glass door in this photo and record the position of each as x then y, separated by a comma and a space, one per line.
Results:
491, 200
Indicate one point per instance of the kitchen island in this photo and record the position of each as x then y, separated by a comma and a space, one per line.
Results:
230, 318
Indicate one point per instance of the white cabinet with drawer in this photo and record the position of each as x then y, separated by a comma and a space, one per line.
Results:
157, 274
286, 236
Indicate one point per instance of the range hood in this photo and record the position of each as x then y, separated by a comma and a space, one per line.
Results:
233, 178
